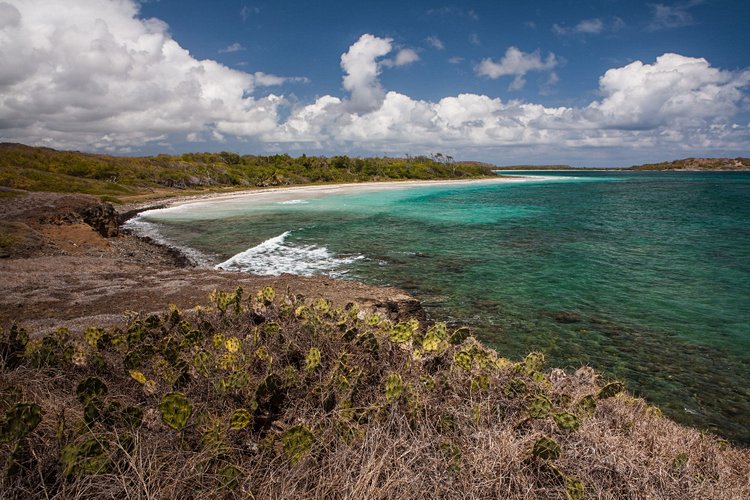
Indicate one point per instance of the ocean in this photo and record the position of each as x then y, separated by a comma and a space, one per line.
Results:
644, 276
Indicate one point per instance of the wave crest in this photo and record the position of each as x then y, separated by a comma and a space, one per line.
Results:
275, 256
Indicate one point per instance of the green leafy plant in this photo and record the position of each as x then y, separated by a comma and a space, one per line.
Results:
312, 360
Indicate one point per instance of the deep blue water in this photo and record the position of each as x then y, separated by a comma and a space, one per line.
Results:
642, 275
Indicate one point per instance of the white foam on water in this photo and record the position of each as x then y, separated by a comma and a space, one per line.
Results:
293, 202
275, 256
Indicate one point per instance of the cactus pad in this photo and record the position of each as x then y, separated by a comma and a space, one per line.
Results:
19, 421
567, 421
91, 389
400, 333
574, 489
137, 376
240, 419
88, 457
586, 406
540, 406
297, 442
610, 390
394, 387
546, 448
312, 360
175, 410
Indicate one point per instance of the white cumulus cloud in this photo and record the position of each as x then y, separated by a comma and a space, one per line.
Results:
516, 63
235, 47
94, 76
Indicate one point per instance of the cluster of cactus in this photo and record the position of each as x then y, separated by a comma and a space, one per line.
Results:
223, 300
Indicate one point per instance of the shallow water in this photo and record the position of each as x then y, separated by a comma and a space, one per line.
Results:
643, 275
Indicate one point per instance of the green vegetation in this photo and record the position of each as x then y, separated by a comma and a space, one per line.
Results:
278, 396
698, 164
43, 169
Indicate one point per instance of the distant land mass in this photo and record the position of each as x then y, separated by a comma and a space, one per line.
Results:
686, 164
698, 164
119, 178
537, 167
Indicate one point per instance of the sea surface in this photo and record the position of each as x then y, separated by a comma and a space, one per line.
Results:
643, 275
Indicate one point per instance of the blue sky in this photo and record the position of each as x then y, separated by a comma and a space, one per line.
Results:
595, 83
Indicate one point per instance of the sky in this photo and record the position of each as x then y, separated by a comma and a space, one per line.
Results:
587, 83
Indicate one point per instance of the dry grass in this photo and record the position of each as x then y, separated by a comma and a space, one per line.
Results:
462, 422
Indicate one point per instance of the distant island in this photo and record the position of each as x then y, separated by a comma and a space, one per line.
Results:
686, 164
698, 164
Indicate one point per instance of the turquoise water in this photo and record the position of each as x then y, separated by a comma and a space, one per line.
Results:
644, 276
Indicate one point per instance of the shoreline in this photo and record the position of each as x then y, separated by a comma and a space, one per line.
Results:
280, 193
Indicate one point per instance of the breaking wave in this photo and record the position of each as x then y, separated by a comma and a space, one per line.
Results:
275, 256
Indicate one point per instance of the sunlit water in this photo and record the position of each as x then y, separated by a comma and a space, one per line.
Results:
644, 276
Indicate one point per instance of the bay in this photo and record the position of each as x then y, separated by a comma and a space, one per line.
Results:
644, 276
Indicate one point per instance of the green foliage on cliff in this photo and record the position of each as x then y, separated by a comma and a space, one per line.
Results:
43, 169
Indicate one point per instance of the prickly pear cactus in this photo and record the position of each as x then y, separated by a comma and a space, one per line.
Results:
400, 333
463, 359
574, 489
92, 336
434, 339
586, 406
19, 421
232, 344
90, 390
266, 295
394, 387
567, 421
175, 410
137, 376
540, 406
240, 419
312, 360
534, 362
546, 448
610, 390
202, 362
296, 443
84, 458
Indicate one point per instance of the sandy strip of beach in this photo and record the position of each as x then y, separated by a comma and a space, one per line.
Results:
312, 191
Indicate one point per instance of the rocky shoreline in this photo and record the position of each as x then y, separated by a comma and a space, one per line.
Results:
66, 262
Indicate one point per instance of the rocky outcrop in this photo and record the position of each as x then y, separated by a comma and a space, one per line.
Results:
44, 223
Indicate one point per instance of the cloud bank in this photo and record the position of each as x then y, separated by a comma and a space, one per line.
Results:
95, 76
